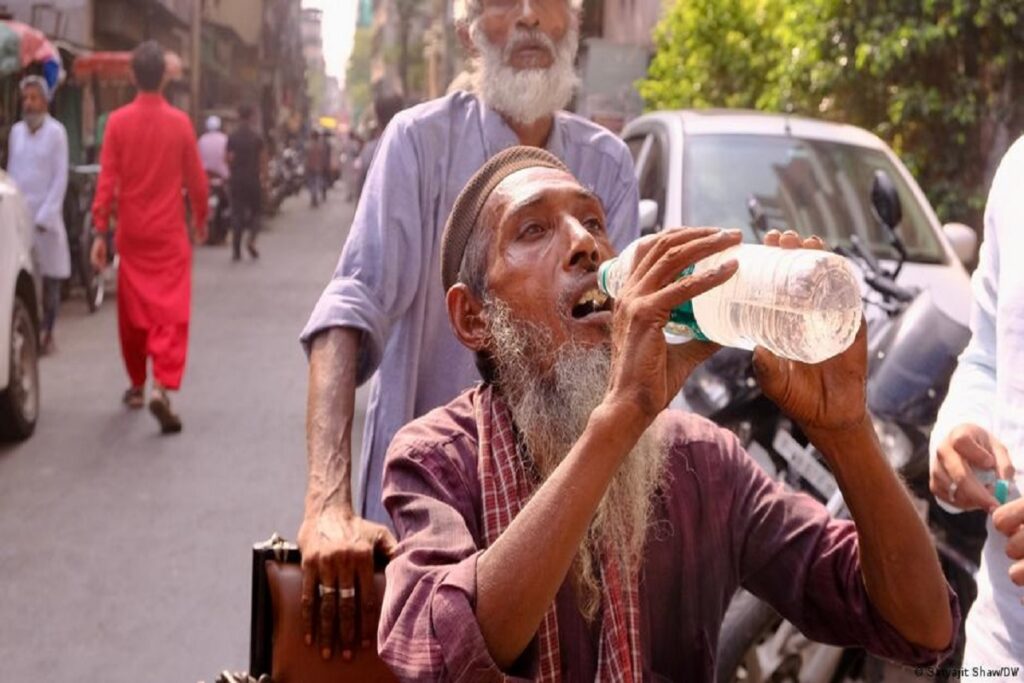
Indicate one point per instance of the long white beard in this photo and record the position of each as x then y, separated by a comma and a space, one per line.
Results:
525, 95
551, 409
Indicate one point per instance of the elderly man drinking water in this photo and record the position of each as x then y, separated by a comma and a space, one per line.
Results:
556, 522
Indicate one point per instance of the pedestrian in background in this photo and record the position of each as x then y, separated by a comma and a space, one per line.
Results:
980, 427
247, 160
213, 152
316, 168
38, 164
352, 148
213, 146
149, 154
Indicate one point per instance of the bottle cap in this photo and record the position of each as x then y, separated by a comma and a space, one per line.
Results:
1002, 491
602, 276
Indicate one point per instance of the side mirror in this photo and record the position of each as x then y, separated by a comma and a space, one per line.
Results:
963, 240
886, 200
648, 216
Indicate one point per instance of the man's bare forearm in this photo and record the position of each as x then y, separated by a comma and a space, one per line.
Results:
519, 576
899, 564
330, 408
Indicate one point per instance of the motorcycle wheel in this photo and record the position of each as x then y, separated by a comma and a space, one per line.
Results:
757, 646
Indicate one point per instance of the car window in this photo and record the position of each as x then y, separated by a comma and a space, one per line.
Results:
635, 145
811, 186
653, 181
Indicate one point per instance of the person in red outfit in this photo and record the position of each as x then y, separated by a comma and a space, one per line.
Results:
149, 154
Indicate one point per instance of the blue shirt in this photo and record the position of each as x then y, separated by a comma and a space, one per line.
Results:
388, 280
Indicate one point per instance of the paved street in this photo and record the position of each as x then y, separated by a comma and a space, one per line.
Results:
125, 556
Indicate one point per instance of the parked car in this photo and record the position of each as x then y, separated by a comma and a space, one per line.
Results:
19, 317
755, 172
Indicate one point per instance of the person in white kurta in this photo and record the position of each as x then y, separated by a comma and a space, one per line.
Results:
38, 164
980, 429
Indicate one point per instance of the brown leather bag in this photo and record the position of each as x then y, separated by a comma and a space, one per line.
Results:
278, 645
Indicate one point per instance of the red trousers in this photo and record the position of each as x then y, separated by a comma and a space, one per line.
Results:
167, 345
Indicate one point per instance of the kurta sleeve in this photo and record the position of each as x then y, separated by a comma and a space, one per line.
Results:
428, 629
50, 215
972, 390
623, 211
109, 181
379, 271
195, 176
805, 564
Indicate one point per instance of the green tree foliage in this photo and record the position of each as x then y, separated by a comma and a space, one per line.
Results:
942, 81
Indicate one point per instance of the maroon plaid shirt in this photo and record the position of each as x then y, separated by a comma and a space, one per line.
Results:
720, 523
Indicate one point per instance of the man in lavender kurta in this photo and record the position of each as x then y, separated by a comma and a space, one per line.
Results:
382, 315
558, 524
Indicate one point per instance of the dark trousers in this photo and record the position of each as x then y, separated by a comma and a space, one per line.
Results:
317, 186
51, 302
246, 210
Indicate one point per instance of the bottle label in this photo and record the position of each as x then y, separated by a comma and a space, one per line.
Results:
682, 322
683, 315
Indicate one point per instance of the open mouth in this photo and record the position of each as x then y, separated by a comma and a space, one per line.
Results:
592, 301
532, 51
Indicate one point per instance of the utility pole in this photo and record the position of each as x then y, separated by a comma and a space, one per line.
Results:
197, 60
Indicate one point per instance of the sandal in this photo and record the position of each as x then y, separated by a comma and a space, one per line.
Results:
160, 407
134, 398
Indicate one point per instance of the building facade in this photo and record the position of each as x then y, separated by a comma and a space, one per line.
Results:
230, 55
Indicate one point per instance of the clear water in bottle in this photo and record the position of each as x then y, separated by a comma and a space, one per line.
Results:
801, 304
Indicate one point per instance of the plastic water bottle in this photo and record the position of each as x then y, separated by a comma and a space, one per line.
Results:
801, 304
1003, 490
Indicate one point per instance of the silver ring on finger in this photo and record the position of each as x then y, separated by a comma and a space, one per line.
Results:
327, 590
953, 486
347, 593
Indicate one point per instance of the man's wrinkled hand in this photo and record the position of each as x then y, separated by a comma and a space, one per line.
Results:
337, 556
826, 396
98, 254
647, 372
967, 448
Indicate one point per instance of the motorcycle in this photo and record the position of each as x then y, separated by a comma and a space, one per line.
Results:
913, 348
219, 209
286, 177
295, 171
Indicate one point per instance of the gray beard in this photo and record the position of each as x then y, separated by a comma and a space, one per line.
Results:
551, 394
525, 95
34, 121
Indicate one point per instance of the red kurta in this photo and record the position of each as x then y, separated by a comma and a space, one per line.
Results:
149, 155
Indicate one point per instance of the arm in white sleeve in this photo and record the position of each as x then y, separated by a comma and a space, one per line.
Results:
387, 249
51, 210
972, 391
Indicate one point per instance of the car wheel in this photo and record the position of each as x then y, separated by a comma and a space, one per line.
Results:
19, 402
